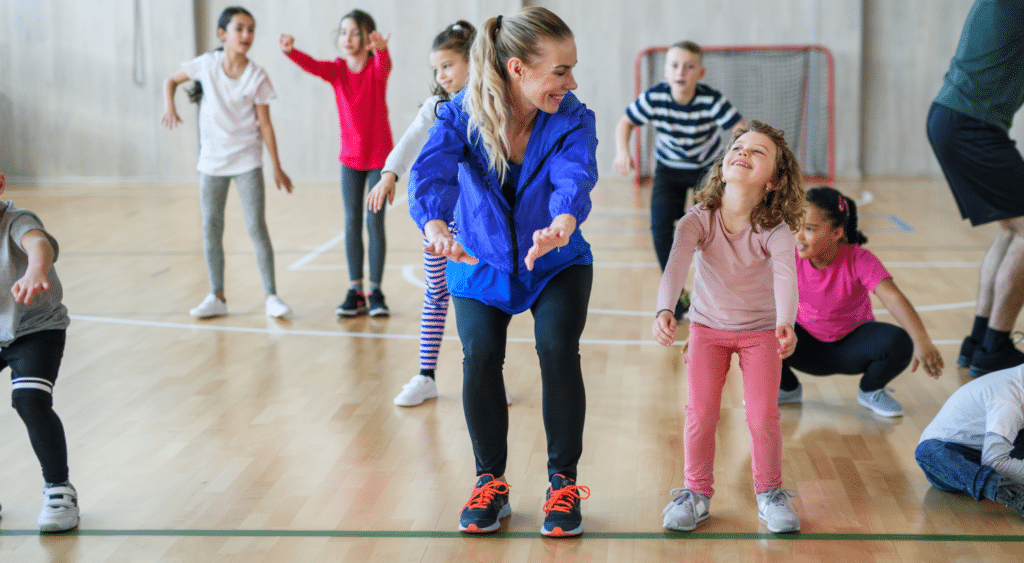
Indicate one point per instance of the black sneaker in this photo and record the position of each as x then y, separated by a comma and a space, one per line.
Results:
378, 308
354, 305
983, 361
967, 352
1011, 493
486, 507
563, 507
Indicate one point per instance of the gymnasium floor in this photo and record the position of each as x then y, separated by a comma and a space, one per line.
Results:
255, 440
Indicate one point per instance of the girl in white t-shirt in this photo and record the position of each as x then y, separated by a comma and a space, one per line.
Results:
234, 122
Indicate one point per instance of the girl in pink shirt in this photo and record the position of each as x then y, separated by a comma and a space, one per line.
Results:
360, 81
836, 329
744, 301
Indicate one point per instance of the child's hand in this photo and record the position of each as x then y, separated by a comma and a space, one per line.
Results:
787, 340
378, 42
383, 191
282, 180
287, 43
927, 355
623, 164
664, 329
545, 240
30, 285
170, 118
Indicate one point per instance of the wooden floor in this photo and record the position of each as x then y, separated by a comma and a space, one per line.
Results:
248, 439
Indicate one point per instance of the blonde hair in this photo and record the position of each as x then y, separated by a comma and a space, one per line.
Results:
498, 40
784, 203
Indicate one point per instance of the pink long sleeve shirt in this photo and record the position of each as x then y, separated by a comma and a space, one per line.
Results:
745, 281
362, 108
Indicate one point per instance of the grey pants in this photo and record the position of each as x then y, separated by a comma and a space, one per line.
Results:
353, 194
213, 195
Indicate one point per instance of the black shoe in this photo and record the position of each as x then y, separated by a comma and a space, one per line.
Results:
983, 361
967, 352
354, 305
377, 306
682, 306
1011, 493
564, 517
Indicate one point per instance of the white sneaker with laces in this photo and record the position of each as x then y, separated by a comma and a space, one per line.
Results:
686, 510
880, 402
776, 510
60, 509
211, 306
276, 308
419, 389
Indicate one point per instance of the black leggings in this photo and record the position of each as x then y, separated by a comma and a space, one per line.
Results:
34, 360
559, 314
880, 351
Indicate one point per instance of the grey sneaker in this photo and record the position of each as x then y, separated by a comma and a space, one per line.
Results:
686, 510
1011, 493
791, 397
776, 510
880, 402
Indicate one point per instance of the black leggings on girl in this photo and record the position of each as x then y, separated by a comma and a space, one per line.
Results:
880, 351
34, 360
559, 315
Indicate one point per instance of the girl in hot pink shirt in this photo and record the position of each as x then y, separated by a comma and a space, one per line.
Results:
836, 329
744, 302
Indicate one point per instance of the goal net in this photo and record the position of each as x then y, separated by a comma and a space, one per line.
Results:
790, 87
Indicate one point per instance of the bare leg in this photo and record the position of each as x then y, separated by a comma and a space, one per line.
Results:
1008, 294
989, 267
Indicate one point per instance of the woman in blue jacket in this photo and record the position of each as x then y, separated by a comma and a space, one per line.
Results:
512, 161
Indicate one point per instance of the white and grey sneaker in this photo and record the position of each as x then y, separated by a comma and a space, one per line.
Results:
60, 508
419, 389
212, 306
686, 510
880, 402
276, 308
776, 510
791, 397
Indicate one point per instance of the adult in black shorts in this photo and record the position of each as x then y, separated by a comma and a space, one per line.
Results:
968, 126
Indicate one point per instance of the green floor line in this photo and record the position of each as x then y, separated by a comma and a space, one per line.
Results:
525, 535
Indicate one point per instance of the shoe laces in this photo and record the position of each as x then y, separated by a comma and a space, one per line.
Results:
783, 497
563, 500
679, 496
483, 495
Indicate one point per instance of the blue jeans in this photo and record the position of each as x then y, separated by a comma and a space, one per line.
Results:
956, 468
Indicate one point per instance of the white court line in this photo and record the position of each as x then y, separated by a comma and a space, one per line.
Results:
300, 264
288, 332
942, 307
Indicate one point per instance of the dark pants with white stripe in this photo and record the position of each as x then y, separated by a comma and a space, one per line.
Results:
34, 360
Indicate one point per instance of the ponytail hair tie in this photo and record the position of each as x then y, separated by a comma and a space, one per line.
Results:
456, 27
842, 203
497, 23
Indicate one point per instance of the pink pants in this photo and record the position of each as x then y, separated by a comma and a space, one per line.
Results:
707, 360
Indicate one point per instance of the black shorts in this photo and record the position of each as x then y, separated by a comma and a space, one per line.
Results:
981, 162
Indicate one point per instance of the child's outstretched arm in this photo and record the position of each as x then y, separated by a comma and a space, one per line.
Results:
170, 117
267, 131
623, 160
925, 353
40, 260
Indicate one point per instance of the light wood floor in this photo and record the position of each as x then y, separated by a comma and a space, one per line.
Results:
248, 439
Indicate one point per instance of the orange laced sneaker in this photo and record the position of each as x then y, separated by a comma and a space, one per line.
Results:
486, 506
563, 507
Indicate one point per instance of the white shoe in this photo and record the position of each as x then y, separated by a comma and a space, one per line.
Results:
686, 510
419, 389
508, 398
776, 510
276, 308
60, 509
212, 306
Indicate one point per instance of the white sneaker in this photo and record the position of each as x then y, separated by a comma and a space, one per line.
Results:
774, 509
419, 389
686, 510
508, 398
60, 509
880, 402
212, 306
276, 308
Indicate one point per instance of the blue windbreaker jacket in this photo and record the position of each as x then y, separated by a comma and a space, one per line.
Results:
452, 180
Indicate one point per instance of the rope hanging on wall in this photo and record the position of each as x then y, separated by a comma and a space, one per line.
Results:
138, 60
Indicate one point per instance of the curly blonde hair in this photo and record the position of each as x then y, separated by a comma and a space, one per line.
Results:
784, 203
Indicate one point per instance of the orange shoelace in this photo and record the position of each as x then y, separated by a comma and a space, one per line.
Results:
482, 496
562, 499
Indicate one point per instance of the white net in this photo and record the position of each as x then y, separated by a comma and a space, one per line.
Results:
787, 87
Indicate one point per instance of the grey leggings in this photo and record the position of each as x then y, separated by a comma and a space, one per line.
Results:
353, 190
213, 195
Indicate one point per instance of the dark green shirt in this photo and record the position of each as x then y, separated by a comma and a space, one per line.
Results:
986, 76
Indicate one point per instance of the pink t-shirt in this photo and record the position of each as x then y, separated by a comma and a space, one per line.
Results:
745, 281
362, 109
835, 299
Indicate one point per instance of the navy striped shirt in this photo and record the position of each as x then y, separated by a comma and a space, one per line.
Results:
686, 136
